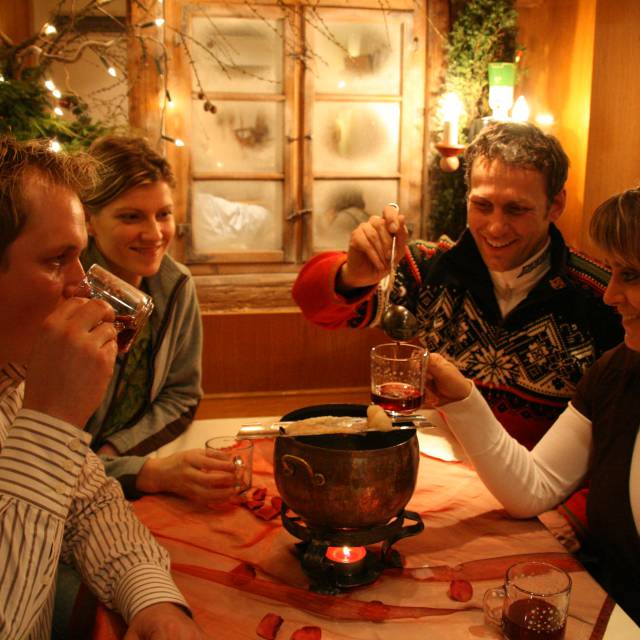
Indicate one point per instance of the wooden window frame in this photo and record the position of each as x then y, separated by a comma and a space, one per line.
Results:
262, 280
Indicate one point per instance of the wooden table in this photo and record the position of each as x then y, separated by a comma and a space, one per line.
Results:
234, 567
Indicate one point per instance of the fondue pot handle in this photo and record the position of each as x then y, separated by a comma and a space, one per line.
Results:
316, 478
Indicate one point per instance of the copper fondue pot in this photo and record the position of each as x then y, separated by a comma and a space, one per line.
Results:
347, 481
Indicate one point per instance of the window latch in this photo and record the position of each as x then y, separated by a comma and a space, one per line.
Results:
183, 229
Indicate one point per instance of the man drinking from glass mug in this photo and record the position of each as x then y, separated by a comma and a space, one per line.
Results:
56, 357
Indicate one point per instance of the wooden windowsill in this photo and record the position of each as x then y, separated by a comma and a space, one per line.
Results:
241, 292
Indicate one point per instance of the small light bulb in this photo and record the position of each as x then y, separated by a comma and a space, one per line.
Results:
545, 119
159, 22
58, 111
177, 141
112, 71
341, 84
56, 93
49, 84
1, 78
55, 146
49, 29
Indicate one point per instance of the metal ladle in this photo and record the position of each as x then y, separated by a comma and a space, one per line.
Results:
397, 321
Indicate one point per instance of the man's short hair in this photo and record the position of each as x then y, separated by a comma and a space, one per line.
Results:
23, 161
524, 146
125, 162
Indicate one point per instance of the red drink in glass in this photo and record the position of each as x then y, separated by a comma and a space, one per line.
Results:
397, 396
533, 619
127, 327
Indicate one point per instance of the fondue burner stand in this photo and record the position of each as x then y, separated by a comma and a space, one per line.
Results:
330, 576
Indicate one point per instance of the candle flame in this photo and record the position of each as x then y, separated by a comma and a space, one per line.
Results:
520, 111
451, 106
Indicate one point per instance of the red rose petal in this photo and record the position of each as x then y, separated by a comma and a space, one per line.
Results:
307, 633
460, 590
269, 625
260, 493
276, 502
267, 512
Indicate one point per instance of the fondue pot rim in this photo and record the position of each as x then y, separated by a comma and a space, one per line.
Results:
304, 441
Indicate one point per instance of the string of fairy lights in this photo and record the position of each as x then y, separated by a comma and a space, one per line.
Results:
166, 102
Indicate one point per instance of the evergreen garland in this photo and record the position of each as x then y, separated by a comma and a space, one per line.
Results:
26, 113
482, 31
26, 105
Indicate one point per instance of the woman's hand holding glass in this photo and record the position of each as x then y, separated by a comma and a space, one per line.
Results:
444, 382
205, 480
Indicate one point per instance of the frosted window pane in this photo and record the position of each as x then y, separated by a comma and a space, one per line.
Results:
240, 136
236, 215
358, 58
242, 54
356, 137
339, 206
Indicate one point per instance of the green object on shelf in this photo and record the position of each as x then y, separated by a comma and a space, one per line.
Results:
502, 74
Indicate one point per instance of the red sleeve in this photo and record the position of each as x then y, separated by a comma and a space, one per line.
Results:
314, 292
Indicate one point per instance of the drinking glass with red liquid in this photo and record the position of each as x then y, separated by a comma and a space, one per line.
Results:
398, 373
533, 603
132, 306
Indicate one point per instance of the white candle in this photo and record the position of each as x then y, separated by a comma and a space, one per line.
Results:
450, 132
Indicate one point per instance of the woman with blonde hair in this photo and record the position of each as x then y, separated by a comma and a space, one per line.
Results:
597, 436
155, 389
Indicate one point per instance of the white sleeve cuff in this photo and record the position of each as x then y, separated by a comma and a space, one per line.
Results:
144, 585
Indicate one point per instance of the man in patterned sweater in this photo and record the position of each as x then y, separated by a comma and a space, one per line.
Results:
509, 303
56, 357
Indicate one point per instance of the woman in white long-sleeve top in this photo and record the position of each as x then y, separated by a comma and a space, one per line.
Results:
597, 435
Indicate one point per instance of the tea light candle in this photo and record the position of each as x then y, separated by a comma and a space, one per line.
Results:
346, 555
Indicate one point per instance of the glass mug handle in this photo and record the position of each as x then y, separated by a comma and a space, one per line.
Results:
492, 604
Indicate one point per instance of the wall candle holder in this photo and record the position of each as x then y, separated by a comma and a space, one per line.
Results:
449, 152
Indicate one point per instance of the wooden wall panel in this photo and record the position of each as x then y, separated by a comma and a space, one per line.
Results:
15, 19
613, 160
258, 352
558, 40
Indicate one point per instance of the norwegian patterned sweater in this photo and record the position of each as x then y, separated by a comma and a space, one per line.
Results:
527, 364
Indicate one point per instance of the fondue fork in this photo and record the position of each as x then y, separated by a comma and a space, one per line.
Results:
280, 428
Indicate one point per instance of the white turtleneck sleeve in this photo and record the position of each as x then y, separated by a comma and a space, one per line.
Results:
525, 482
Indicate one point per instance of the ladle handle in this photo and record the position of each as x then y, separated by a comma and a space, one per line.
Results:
392, 273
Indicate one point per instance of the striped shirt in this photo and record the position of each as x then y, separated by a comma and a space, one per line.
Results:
56, 503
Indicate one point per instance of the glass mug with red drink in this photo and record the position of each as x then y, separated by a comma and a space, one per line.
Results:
533, 603
132, 306
398, 373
